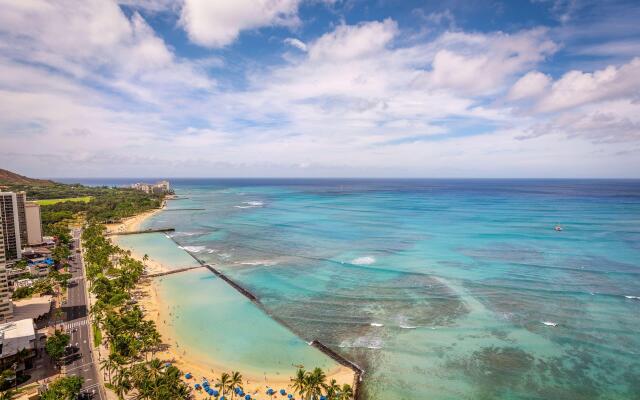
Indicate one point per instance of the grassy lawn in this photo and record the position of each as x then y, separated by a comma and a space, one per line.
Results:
47, 202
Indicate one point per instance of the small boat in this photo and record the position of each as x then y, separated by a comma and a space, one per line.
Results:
558, 228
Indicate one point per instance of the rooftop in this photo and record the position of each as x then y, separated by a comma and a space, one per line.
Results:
16, 335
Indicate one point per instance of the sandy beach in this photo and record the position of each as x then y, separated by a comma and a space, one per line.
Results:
158, 311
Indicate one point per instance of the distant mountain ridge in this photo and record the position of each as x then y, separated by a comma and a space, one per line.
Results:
11, 178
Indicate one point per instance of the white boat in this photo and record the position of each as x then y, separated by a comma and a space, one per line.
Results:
558, 228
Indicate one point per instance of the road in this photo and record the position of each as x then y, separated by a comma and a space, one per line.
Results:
76, 324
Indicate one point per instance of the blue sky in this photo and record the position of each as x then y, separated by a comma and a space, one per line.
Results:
539, 88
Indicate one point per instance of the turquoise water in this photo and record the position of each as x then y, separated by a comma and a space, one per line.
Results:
158, 247
439, 289
218, 326
214, 321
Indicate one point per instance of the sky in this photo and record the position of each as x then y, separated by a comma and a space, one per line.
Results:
320, 88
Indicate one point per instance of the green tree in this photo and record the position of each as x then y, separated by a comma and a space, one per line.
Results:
122, 382
333, 389
56, 344
346, 392
60, 253
299, 382
235, 381
65, 388
224, 383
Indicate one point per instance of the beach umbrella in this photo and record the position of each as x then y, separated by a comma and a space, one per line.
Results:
247, 397
283, 392
290, 396
215, 393
223, 398
323, 398
187, 375
197, 386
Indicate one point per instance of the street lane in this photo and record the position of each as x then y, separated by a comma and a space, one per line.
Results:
77, 325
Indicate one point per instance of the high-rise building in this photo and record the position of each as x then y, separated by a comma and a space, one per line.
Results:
21, 200
33, 223
10, 225
5, 296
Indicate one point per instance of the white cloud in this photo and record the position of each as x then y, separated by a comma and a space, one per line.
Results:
299, 44
89, 90
576, 88
484, 63
218, 23
531, 85
353, 41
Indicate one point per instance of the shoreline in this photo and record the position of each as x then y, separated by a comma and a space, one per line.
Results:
157, 310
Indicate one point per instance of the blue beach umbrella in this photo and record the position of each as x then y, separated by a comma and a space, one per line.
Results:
197, 386
188, 375
223, 398
323, 398
290, 396
283, 392
215, 393
247, 397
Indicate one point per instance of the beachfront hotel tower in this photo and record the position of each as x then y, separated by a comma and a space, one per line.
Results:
5, 301
9, 213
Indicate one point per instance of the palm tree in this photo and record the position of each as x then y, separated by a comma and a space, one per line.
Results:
316, 382
346, 392
110, 364
299, 382
155, 368
333, 389
235, 381
224, 382
123, 382
7, 395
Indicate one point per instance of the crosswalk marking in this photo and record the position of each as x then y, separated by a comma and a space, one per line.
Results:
75, 324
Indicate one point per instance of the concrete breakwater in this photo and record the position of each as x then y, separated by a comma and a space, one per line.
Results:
158, 230
358, 372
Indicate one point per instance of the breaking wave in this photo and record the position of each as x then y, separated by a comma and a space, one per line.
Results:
250, 204
367, 260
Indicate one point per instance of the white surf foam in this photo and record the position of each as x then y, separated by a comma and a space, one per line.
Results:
407, 326
367, 260
376, 324
549, 323
633, 297
250, 204
193, 249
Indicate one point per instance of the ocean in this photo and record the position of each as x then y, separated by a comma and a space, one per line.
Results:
439, 289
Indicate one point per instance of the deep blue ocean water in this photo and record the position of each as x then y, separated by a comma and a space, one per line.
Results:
440, 289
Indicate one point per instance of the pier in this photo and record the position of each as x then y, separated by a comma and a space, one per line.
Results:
162, 230
173, 271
